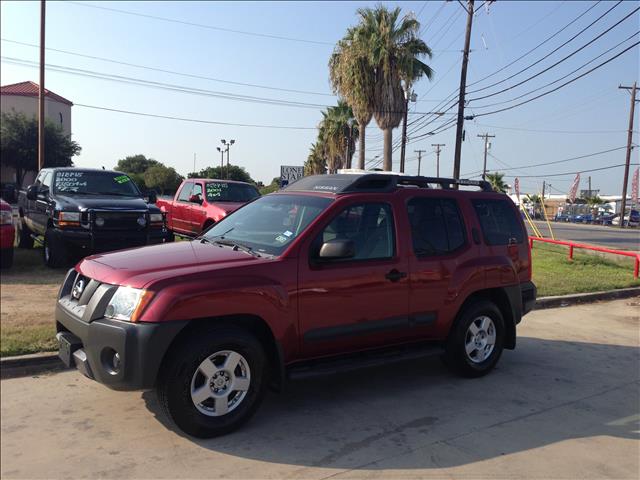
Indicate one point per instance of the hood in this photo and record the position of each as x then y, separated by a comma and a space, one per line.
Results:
137, 267
102, 202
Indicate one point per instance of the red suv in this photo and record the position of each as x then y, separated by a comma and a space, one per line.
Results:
334, 272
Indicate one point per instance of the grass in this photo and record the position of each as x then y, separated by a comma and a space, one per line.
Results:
28, 291
555, 274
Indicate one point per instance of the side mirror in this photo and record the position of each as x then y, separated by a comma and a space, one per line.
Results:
32, 192
195, 199
337, 249
153, 196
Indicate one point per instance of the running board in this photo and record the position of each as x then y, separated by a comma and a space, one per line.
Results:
357, 361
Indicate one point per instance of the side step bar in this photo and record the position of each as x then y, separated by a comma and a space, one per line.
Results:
368, 359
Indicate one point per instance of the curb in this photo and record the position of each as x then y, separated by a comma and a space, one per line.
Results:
38, 363
578, 298
33, 364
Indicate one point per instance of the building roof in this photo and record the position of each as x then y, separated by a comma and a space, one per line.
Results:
31, 89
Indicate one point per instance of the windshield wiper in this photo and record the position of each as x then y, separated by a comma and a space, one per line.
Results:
237, 246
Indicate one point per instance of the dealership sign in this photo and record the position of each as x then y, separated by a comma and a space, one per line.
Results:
289, 174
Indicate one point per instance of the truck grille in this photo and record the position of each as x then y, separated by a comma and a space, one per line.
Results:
119, 221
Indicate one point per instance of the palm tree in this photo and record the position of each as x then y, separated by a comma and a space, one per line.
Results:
338, 132
497, 182
316, 163
393, 51
594, 202
353, 79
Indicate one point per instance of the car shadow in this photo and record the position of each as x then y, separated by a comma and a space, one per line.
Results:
418, 415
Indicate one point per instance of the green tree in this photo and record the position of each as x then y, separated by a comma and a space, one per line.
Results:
353, 79
497, 182
135, 166
164, 179
235, 173
338, 132
394, 52
274, 186
316, 163
19, 144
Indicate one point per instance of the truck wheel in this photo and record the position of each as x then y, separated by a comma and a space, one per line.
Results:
25, 240
54, 250
213, 382
476, 341
6, 258
170, 237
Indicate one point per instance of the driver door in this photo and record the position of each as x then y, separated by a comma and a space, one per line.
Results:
359, 302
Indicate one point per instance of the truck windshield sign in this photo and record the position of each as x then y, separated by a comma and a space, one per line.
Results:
70, 181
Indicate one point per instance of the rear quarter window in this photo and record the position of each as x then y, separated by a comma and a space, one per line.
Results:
499, 221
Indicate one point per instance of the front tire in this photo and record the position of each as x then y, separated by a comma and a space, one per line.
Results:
213, 382
54, 251
476, 341
6, 258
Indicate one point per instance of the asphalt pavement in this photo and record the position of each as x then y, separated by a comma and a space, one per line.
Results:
611, 237
564, 404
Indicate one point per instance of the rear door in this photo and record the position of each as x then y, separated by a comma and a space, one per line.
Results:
181, 209
440, 250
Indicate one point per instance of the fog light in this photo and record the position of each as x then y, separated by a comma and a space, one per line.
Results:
99, 222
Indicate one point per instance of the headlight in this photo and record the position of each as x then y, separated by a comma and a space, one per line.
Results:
127, 304
156, 218
70, 219
6, 218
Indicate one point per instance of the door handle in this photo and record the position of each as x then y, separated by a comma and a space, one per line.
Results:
395, 275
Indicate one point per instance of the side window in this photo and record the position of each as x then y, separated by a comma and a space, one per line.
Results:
39, 178
498, 221
369, 226
436, 226
46, 180
185, 193
197, 190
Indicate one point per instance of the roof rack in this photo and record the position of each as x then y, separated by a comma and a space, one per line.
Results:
376, 182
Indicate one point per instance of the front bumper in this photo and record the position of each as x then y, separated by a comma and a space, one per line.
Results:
90, 344
112, 240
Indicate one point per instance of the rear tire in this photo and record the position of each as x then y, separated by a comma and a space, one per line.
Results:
196, 382
476, 341
54, 251
6, 258
25, 239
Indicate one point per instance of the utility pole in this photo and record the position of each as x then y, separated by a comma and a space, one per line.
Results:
544, 184
419, 152
463, 85
629, 147
228, 145
221, 150
486, 137
409, 96
194, 162
41, 89
438, 150
590, 186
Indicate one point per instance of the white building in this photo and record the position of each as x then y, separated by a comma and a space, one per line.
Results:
23, 98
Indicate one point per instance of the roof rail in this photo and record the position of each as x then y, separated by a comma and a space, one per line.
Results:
376, 182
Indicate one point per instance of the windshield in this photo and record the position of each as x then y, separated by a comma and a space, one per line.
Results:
230, 192
94, 183
269, 224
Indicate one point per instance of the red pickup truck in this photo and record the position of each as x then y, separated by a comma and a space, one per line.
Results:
332, 273
202, 202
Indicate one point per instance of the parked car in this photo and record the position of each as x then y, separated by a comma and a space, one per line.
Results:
583, 218
7, 235
201, 202
332, 273
631, 218
75, 212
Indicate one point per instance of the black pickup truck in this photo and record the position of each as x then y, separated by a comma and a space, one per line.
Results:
79, 211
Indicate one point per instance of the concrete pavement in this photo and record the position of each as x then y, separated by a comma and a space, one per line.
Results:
564, 404
611, 237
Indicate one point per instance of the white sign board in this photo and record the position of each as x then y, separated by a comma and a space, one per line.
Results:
289, 174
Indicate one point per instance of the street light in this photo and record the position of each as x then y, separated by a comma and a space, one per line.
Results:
228, 147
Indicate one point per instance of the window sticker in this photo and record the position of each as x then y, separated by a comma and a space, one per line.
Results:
288, 233
70, 181
281, 239
121, 179
215, 189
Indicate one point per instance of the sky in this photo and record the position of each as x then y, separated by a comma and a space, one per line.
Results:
278, 47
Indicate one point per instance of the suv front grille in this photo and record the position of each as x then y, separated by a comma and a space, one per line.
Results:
121, 221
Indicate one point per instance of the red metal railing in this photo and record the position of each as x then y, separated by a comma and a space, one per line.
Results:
572, 245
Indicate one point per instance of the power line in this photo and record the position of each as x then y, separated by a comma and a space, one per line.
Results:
560, 86
172, 72
555, 64
572, 173
183, 119
201, 25
585, 132
634, 35
550, 53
